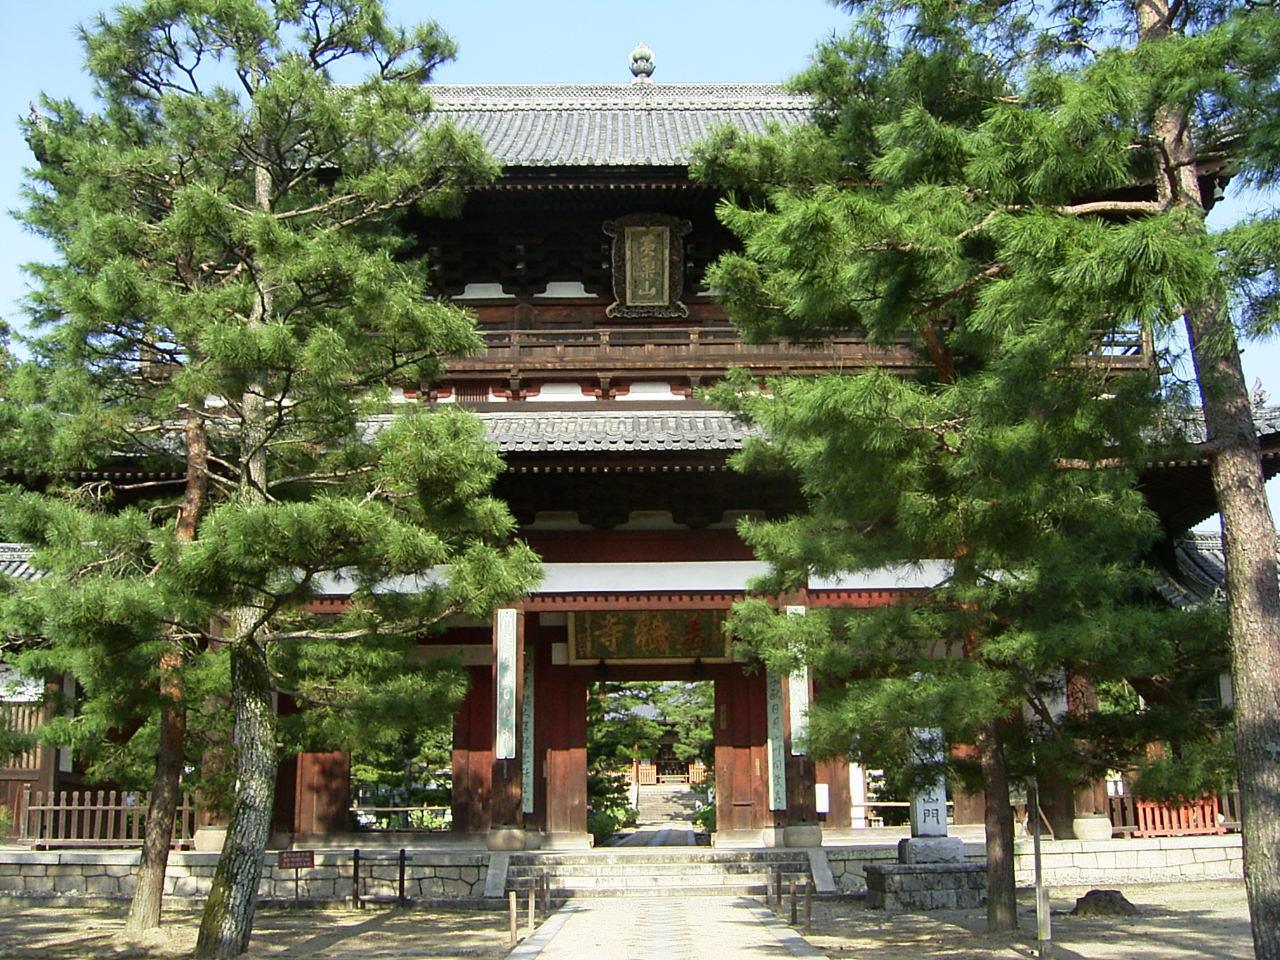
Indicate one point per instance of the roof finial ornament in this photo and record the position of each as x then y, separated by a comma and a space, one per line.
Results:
642, 64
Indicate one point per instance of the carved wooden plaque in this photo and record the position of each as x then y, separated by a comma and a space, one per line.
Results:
648, 265
648, 636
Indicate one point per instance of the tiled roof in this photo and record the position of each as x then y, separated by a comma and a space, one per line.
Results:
612, 431
13, 561
1266, 421
1201, 570
631, 124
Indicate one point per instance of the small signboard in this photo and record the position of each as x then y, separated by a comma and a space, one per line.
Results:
296, 859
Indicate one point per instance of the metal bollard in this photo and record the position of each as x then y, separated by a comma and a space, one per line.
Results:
404, 901
511, 910
355, 879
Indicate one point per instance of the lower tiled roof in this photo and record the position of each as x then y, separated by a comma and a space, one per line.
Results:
615, 432
14, 561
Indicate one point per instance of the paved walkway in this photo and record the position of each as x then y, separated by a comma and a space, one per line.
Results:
675, 833
664, 928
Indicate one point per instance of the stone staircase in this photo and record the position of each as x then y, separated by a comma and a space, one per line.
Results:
665, 803
649, 872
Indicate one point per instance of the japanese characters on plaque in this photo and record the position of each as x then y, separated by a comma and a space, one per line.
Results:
505, 740
775, 744
526, 737
648, 636
798, 699
648, 266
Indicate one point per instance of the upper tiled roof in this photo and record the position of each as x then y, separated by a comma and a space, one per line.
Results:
612, 431
612, 125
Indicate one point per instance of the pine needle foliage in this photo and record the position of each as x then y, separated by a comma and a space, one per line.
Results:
984, 210
236, 296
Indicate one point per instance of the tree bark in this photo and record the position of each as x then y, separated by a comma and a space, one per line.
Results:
148, 894
227, 921
1002, 907
1249, 535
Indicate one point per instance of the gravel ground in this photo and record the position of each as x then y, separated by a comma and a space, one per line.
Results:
64, 932
1174, 922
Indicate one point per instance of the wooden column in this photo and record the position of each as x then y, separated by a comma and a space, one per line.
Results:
506, 829
835, 774
322, 792
742, 777
473, 754
561, 716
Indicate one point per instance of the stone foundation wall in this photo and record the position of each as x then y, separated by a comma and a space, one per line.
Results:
109, 874
1141, 860
926, 886
1078, 862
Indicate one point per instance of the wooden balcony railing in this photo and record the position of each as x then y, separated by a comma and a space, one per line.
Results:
709, 348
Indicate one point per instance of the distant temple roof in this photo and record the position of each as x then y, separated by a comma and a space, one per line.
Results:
611, 125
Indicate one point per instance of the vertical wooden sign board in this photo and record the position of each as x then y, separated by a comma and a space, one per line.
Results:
798, 700
776, 743
526, 736
505, 736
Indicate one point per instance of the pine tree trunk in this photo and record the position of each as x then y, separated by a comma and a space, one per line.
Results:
148, 893
1249, 535
227, 922
1002, 907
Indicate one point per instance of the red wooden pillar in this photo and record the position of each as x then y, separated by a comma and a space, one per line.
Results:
322, 792
834, 774
561, 714
742, 774
473, 754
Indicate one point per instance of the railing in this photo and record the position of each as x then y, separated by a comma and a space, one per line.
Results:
726, 341
1131, 817
420, 819
648, 774
89, 818
19, 717
872, 818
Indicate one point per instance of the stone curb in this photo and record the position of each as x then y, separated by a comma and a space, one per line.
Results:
796, 945
534, 945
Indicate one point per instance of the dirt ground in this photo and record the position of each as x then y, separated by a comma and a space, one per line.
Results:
63, 932
1175, 922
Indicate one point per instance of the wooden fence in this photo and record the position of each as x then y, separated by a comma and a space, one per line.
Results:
89, 818
1131, 817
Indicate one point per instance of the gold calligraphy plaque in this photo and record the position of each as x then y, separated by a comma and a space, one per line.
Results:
648, 636
648, 263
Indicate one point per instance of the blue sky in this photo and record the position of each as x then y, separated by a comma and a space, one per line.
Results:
571, 41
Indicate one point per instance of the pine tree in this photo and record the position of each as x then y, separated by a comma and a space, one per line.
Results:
237, 293
950, 201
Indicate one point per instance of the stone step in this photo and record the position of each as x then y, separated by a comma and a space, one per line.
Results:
727, 890
621, 855
656, 870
